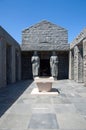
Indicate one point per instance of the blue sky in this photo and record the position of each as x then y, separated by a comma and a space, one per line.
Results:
16, 15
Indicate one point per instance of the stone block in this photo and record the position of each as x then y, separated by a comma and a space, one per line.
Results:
43, 121
44, 84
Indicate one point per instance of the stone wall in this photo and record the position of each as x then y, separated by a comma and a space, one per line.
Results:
8, 49
77, 64
84, 60
45, 36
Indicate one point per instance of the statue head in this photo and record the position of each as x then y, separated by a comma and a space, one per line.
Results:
54, 53
35, 53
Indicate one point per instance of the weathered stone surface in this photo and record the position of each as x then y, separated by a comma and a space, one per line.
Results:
35, 60
45, 36
84, 60
79, 38
64, 111
8, 60
77, 58
54, 65
71, 64
43, 121
76, 63
44, 47
80, 62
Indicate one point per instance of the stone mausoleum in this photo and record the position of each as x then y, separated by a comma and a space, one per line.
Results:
43, 38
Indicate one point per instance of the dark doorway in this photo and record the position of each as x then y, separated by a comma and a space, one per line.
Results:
44, 67
26, 65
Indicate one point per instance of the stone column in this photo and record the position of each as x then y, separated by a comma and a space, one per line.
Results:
18, 64
71, 65
80, 64
2, 63
84, 61
13, 67
76, 63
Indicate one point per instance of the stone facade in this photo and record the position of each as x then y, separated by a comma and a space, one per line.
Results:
77, 65
44, 37
10, 59
84, 61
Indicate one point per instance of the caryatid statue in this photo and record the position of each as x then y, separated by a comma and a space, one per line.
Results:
54, 65
35, 64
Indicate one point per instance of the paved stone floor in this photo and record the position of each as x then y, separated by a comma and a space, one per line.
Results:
21, 110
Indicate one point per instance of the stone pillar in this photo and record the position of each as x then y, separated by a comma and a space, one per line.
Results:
13, 67
84, 61
19, 65
76, 63
2, 63
70, 76
80, 64
71, 64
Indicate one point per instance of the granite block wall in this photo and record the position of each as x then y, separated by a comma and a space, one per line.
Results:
78, 46
84, 60
8, 47
45, 36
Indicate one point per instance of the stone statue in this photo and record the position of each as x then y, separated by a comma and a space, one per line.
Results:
54, 65
35, 64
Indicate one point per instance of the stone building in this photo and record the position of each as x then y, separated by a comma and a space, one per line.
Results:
10, 59
44, 38
77, 58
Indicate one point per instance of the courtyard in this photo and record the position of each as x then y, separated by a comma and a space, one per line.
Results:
23, 109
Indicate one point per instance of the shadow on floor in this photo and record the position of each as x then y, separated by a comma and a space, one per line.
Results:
11, 93
55, 90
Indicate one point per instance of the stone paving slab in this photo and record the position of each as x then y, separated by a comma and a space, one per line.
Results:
15, 121
65, 108
70, 120
21, 110
43, 121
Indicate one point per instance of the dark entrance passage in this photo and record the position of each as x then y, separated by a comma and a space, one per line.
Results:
26, 65
45, 67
